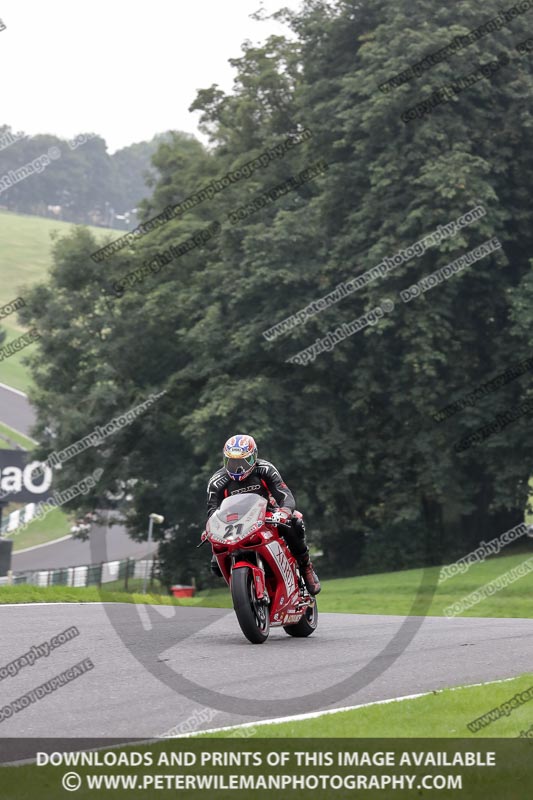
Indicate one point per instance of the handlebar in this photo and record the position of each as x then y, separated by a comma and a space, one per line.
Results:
270, 521
204, 539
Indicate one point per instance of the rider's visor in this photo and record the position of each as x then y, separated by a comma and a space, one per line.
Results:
239, 466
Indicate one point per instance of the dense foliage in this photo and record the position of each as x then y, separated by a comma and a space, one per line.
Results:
352, 432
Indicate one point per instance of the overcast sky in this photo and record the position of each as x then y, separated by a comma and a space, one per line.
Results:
125, 69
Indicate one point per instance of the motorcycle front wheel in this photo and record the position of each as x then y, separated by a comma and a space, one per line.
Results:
252, 614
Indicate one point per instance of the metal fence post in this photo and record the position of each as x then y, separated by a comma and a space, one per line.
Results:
150, 533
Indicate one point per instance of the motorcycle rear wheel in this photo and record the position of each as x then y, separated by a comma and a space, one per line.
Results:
252, 614
307, 624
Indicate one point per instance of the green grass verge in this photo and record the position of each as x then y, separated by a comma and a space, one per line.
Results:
15, 436
509, 779
24, 593
396, 592
25, 258
442, 714
13, 370
55, 525
135, 586
25, 246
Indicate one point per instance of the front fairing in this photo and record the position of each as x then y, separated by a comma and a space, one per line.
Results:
238, 516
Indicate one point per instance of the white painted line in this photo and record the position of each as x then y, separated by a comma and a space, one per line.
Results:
65, 602
85, 603
45, 544
11, 389
316, 714
296, 717
14, 430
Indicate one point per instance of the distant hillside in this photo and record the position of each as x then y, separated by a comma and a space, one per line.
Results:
24, 260
75, 180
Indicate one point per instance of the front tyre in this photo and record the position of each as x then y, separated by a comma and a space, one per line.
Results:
252, 614
307, 624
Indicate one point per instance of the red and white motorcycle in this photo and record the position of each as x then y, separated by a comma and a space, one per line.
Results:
263, 575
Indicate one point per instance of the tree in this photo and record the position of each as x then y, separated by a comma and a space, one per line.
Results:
353, 431
81, 176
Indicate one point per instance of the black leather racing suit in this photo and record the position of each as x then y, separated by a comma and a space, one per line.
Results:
266, 481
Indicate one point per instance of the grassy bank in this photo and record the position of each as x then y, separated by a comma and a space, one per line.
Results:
9, 438
24, 593
54, 526
417, 592
25, 258
429, 721
442, 714
411, 592
13, 370
25, 246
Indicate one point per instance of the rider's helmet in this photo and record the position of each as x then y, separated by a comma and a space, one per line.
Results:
240, 456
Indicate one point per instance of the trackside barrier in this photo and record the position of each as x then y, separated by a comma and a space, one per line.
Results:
87, 575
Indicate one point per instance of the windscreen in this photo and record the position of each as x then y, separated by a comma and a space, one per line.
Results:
236, 517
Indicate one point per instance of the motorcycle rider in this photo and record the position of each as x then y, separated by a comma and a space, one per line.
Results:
243, 471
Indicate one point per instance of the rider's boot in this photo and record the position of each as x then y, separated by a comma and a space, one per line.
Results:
215, 569
309, 575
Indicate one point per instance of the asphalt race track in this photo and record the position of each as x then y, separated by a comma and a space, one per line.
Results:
16, 411
116, 545
128, 696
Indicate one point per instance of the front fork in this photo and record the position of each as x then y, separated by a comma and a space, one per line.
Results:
258, 572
